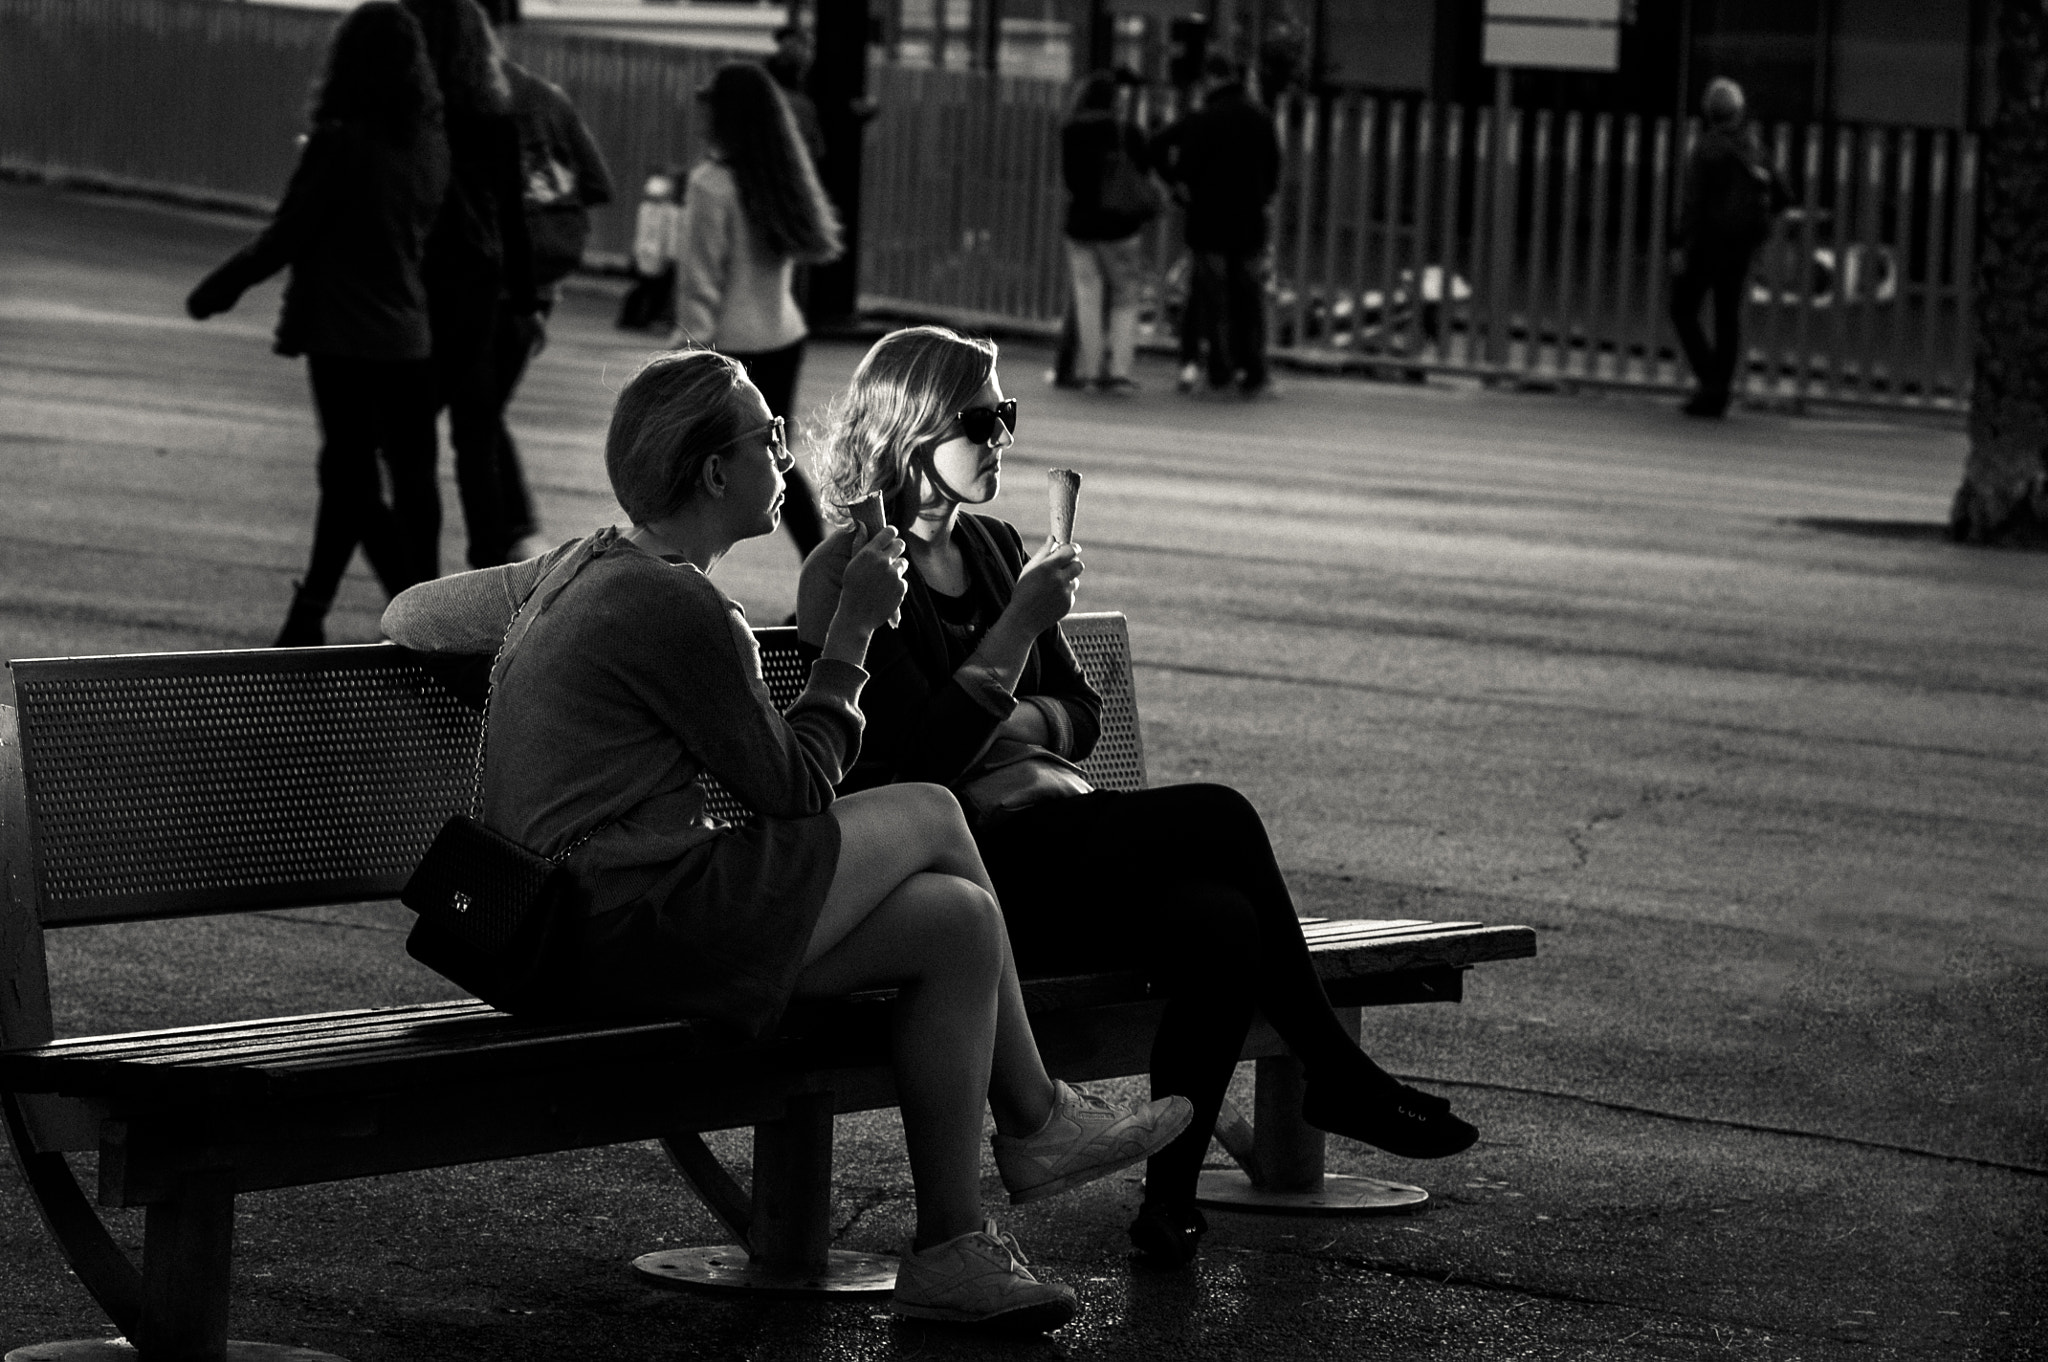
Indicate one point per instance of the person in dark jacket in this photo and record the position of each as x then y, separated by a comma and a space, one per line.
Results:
1177, 880
479, 259
1103, 161
565, 176
1731, 198
1225, 157
353, 228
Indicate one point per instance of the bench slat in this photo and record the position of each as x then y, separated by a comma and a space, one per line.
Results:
396, 1048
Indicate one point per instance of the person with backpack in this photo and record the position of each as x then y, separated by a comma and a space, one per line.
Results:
1110, 197
1732, 196
565, 177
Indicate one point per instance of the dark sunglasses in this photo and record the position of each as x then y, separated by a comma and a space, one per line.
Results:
978, 424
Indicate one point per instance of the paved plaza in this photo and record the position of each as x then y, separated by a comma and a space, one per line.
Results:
1713, 707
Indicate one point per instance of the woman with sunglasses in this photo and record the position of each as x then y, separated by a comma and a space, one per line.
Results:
1180, 880
636, 678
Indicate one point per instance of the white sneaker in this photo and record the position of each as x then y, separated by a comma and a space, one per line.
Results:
1085, 1137
981, 1278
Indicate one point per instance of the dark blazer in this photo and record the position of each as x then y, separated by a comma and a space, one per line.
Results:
1731, 197
479, 245
352, 226
922, 723
1087, 143
1226, 158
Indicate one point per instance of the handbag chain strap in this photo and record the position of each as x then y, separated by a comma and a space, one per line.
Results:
483, 728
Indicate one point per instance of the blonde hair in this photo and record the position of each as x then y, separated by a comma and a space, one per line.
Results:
902, 400
672, 415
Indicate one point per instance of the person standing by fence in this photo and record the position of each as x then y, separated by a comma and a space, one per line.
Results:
565, 177
754, 210
1226, 158
1110, 197
479, 261
1731, 198
353, 228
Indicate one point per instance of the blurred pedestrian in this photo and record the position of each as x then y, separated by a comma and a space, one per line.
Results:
353, 228
752, 212
1732, 197
1110, 197
651, 301
565, 177
1226, 158
790, 64
479, 261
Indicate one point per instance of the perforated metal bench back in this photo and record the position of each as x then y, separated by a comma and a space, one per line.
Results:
179, 783
204, 782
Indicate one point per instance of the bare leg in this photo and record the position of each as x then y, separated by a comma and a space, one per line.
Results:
887, 835
938, 938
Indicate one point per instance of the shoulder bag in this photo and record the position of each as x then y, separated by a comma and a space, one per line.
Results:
494, 917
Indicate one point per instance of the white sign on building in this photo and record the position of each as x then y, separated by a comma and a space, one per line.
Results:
1562, 35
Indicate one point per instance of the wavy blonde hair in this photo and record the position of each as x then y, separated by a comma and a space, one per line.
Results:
901, 402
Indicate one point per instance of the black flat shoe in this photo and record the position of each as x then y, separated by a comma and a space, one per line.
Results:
1168, 1233
1399, 1119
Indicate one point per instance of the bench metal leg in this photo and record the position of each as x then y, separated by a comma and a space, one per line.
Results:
137, 1301
1282, 1157
785, 1229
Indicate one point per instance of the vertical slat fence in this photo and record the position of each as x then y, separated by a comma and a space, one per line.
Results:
1384, 251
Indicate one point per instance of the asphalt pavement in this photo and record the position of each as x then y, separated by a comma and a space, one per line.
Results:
1713, 707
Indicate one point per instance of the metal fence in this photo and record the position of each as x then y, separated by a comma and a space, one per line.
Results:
1403, 238
204, 99
1402, 241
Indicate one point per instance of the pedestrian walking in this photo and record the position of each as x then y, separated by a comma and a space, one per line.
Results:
1732, 197
1225, 158
1111, 195
479, 261
565, 176
753, 211
352, 228
651, 301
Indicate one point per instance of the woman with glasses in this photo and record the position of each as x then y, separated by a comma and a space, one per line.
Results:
1180, 881
636, 678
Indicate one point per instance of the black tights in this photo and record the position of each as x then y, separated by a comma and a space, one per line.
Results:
1180, 882
372, 410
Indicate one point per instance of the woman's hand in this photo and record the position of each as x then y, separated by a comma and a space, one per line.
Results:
870, 592
210, 297
1045, 589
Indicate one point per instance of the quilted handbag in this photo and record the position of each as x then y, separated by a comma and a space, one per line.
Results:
495, 917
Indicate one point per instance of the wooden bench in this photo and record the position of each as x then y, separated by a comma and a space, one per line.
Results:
167, 785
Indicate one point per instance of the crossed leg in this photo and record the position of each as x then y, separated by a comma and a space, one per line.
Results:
911, 906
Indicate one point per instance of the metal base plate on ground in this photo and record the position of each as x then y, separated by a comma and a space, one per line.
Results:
1341, 1194
121, 1350
726, 1267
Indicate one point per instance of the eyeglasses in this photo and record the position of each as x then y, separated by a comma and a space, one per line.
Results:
778, 442
978, 424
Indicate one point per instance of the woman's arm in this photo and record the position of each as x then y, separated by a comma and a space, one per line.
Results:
308, 208
468, 612
696, 663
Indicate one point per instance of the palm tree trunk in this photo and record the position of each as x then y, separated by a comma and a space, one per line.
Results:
2004, 496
